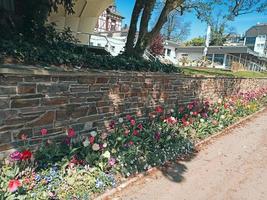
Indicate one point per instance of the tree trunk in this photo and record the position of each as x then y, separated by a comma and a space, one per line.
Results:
170, 5
145, 38
138, 7
142, 42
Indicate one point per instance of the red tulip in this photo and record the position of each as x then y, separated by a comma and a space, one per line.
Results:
159, 109
26, 155
13, 185
128, 117
135, 133
71, 133
91, 140
133, 122
140, 126
44, 132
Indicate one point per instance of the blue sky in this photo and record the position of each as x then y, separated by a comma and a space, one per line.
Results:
241, 23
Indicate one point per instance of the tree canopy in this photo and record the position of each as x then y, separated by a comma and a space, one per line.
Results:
30, 15
175, 28
199, 41
140, 35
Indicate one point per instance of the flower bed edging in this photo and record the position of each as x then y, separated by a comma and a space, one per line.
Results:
225, 131
108, 194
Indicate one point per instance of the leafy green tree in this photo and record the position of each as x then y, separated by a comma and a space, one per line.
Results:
199, 41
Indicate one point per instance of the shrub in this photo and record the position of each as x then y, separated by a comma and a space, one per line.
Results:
49, 47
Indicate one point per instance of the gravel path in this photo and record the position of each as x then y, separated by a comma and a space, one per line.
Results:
233, 167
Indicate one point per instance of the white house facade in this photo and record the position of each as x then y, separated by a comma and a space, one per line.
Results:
256, 39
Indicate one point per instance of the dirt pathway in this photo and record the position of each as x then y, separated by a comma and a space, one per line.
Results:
234, 167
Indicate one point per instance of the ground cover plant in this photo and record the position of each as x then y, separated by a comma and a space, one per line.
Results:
82, 166
60, 49
222, 72
48, 47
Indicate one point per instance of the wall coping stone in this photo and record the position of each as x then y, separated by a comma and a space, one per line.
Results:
29, 70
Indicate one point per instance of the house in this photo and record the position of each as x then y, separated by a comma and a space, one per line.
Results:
223, 56
109, 21
109, 33
256, 39
95, 23
170, 51
234, 40
82, 23
249, 51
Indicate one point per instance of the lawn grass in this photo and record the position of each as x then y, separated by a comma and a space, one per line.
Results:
222, 72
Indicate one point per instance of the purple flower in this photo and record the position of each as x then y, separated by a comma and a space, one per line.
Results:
15, 156
37, 177
48, 178
67, 141
112, 161
204, 115
157, 136
112, 125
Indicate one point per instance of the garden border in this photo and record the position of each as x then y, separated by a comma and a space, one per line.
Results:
108, 194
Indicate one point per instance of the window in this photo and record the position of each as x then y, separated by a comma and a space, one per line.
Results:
218, 58
169, 52
228, 61
113, 25
184, 55
250, 40
209, 57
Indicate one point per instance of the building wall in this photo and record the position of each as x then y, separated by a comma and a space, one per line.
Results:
83, 20
260, 44
191, 56
86, 101
170, 54
101, 23
113, 45
106, 21
250, 42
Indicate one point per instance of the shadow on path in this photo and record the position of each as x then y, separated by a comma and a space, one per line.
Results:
174, 170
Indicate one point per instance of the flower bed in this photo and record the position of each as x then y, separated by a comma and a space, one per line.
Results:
81, 167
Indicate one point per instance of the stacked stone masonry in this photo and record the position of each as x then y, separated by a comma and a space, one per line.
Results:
30, 102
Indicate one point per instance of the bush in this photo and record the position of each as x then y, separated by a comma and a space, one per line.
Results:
49, 47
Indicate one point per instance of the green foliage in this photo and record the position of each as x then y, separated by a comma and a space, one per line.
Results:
28, 14
48, 47
199, 41
218, 35
222, 72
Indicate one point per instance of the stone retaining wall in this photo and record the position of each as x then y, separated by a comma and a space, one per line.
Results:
30, 101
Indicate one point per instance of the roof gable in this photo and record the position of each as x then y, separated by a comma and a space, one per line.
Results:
254, 31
